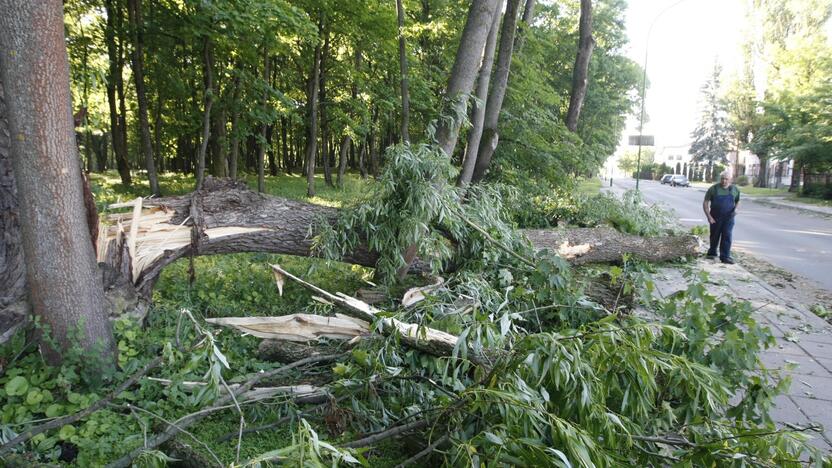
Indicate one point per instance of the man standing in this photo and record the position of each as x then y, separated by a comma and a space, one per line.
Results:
720, 205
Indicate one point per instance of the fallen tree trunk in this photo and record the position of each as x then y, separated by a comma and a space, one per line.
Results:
603, 244
226, 217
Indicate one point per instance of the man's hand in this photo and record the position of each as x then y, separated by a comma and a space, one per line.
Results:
711, 219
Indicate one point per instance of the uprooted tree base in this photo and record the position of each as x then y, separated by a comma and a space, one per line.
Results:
226, 217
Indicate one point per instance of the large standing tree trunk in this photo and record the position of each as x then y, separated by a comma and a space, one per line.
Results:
405, 87
65, 288
208, 71
134, 17
478, 116
490, 134
119, 145
580, 74
312, 120
342, 159
464, 71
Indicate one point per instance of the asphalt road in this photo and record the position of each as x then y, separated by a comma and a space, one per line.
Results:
793, 240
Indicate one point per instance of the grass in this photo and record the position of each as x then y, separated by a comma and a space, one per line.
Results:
107, 187
764, 191
589, 186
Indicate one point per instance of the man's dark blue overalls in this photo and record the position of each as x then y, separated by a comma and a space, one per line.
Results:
723, 207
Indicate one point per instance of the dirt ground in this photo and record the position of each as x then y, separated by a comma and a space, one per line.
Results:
791, 286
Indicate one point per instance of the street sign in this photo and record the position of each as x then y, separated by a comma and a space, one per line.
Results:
646, 140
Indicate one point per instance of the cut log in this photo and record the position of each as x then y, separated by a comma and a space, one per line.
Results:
226, 217
287, 352
260, 393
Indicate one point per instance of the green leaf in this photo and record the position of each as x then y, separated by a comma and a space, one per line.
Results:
17, 386
66, 432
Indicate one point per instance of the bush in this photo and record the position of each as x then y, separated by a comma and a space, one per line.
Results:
743, 181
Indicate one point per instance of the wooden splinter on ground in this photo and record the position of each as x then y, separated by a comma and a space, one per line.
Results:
306, 327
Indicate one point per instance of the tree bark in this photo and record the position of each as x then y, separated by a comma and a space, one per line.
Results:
12, 264
478, 116
134, 15
312, 120
580, 78
114, 76
342, 159
464, 72
208, 71
490, 134
405, 87
65, 289
261, 151
797, 171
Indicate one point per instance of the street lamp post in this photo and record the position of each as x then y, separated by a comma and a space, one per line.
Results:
644, 90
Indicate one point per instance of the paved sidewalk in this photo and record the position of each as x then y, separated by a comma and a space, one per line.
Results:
804, 341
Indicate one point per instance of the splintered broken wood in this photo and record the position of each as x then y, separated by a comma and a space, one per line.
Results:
234, 219
299, 328
259, 393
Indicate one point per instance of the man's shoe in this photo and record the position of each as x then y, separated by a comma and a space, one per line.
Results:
711, 256
728, 260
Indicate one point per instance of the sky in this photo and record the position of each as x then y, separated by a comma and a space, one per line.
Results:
684, 43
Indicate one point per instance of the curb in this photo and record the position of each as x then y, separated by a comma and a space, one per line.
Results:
789, 206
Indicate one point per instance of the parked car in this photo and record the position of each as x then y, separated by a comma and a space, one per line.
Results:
666, 178
679, 181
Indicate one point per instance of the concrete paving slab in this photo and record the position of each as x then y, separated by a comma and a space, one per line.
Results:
795, 365
817, 411
814, 348
812, 386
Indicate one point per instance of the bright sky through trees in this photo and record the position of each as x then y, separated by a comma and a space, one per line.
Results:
684, 43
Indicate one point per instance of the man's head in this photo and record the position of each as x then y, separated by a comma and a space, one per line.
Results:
725, 179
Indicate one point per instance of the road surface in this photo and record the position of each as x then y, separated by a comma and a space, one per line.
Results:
793, 240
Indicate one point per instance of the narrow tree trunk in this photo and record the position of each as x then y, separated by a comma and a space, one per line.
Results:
797, 171
287, 158
525, 24
270, 152
342, 159
65, 287
157, 134
261, 151
235, 129
478, 116
114, 76
208, 70
122, 96
490, 133
312, 120
580, 74
324, 108
134, 15
464, 72
404, 79
219, 158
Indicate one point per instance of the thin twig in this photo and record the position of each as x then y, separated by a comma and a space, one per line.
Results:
242, 418
392, 432
56, 423
494, 241
425, 452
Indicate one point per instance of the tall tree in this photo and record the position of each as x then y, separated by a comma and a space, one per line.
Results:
405, 86
113, 79
580, 73
464, 71
261, 151
208, 79
711, 137
64, 285
312, 85
12, 266
478, 115
490, 134
134, 15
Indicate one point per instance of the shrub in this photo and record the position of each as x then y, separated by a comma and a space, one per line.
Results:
742, 180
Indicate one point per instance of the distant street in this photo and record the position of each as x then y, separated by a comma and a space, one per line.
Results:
798, 242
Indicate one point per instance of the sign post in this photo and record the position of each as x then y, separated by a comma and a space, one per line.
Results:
640, 140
